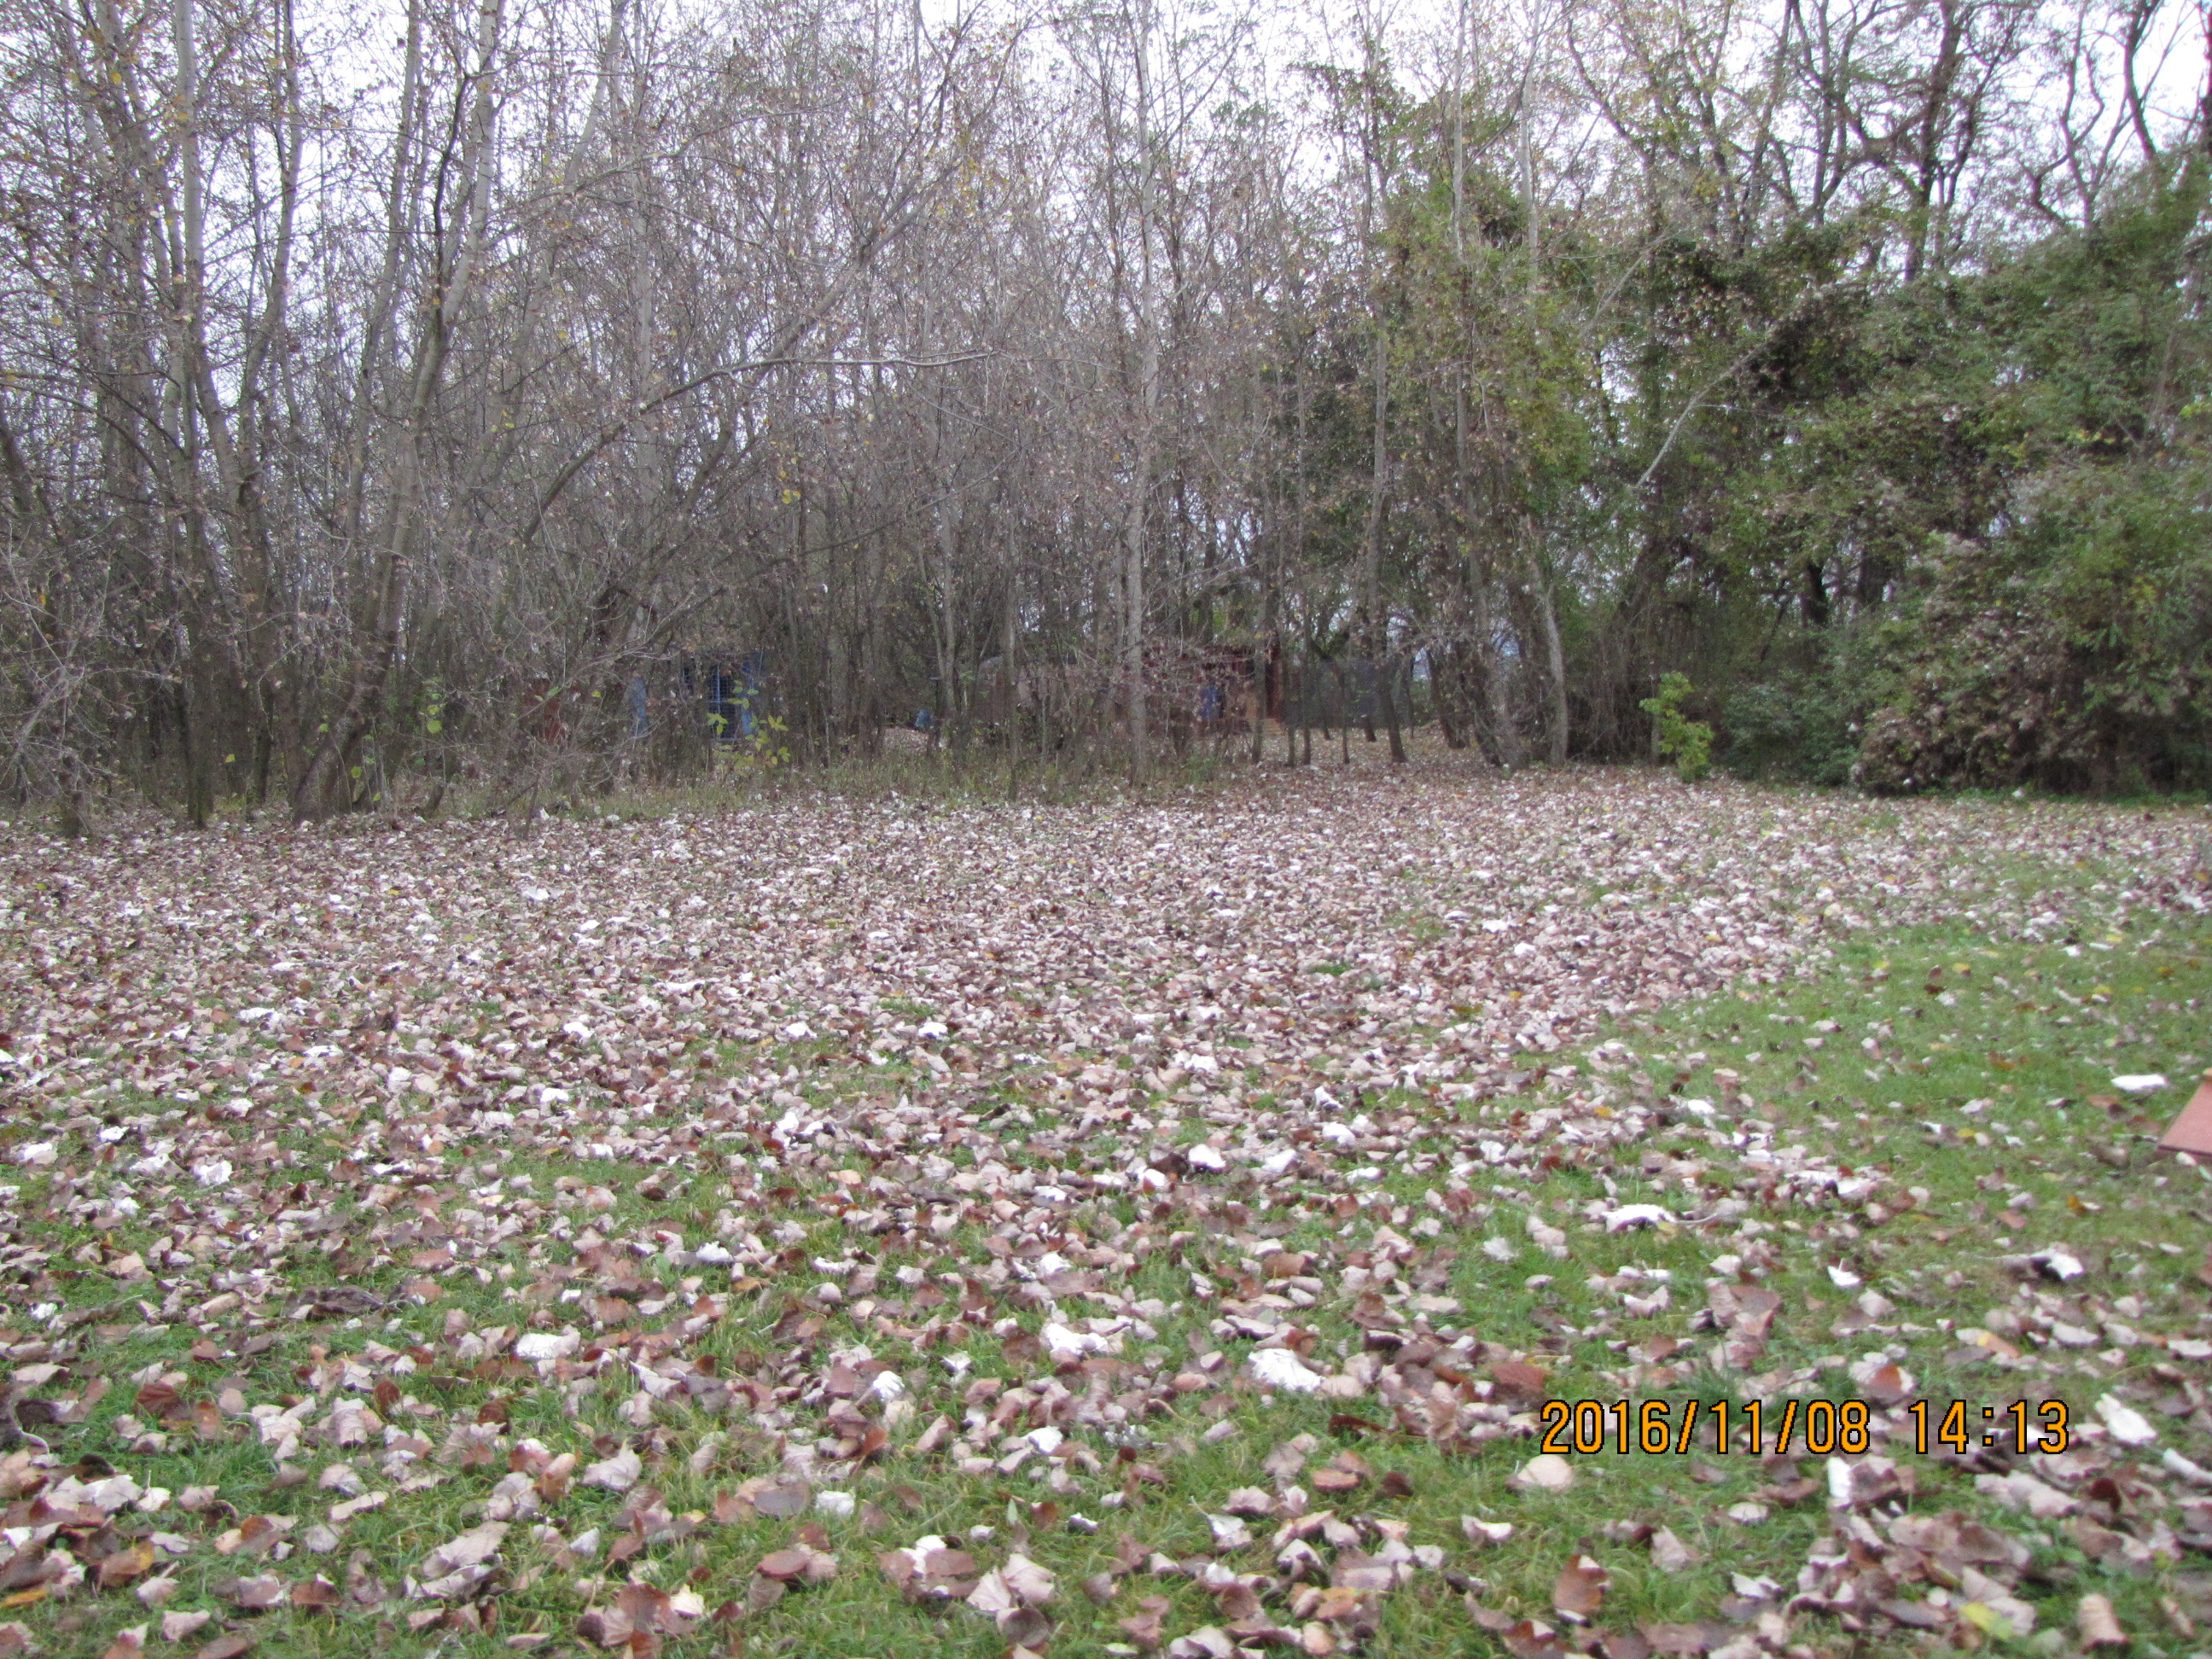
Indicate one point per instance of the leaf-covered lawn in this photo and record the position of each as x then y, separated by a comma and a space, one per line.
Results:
838, 1228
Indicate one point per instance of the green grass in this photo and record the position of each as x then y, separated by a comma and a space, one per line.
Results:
1990, 1056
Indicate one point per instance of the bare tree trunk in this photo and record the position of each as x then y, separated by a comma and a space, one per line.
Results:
1010, 733
1374, 185
1266, 644
1370, 542
457, 244
1448, 722
1555, 661
944, 622
1133, 596
377, 319
1136, 511
1137, 505
205, 626
1378, 644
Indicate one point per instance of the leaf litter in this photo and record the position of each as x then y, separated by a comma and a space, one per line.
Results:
521, 1239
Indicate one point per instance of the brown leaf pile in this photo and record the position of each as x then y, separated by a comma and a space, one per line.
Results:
791, 1061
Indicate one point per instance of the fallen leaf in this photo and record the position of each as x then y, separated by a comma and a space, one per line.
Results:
125, 1565
2098, 1626
1547, 1472
1147, 1627
1670, 1554
1030, 1583
176, 1627
1579, 1590
616, 1473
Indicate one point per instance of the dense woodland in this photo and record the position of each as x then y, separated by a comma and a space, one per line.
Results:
558, 397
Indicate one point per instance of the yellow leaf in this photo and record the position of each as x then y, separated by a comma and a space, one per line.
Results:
1988, 1620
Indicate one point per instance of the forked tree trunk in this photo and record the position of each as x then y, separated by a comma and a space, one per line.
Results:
455, 248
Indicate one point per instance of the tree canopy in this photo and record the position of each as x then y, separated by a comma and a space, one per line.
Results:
586, 393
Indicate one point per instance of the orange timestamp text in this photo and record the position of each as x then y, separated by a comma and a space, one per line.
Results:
1818, 1427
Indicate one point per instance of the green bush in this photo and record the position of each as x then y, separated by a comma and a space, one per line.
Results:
1688, 743
1801, 726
